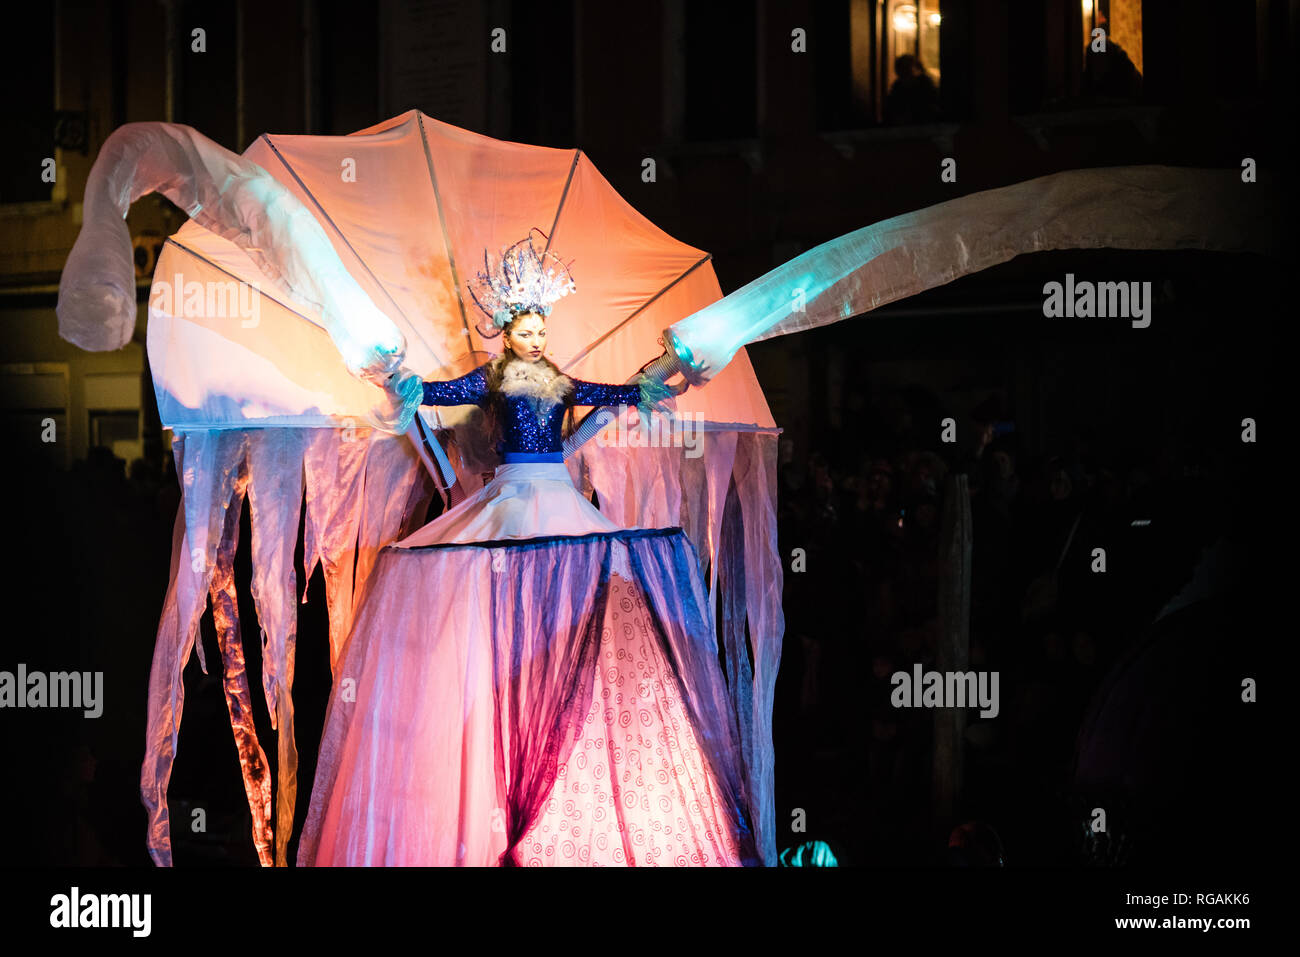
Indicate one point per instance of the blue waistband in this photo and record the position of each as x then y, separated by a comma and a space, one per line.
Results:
512, 457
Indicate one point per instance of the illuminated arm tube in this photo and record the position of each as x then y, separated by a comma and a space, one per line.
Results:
1127, 207
239, 201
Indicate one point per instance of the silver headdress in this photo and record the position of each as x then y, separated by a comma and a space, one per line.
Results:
520, 280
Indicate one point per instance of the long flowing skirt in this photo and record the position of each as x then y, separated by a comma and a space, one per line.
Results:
523, 500
551, 700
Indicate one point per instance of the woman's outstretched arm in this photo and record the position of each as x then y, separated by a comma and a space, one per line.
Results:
601, 393
469, 389
407, 392
646, 393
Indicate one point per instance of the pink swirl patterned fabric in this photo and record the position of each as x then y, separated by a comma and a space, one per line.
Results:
636, 790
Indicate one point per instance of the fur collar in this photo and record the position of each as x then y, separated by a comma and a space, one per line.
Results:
538, 384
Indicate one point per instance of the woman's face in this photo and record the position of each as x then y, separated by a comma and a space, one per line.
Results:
527, 338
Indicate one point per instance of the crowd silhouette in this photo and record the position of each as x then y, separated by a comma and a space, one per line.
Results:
865, 510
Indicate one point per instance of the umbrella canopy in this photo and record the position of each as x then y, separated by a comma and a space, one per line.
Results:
410, 205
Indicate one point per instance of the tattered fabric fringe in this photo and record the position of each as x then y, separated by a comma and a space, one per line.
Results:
365, 489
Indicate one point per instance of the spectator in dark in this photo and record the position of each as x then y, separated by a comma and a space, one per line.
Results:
1050, 526
1112, 75
880, 486
102, 466
877, 516
919, 567
1002, 485
825, 503
989, 420
913, 97
924, 473
975, 844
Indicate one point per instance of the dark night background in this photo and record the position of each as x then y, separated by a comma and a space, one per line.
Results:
762, 155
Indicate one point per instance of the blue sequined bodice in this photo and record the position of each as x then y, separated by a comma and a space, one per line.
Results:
522, 430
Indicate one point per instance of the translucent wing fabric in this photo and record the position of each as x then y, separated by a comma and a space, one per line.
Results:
1124, 207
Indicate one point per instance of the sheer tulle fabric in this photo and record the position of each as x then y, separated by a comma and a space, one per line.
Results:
636, 789
550, 701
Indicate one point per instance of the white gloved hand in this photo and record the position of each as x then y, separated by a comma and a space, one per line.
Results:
405, 393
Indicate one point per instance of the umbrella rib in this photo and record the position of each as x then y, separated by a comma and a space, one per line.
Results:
334, 226
442, 224
220, 268
564, 194
609, 332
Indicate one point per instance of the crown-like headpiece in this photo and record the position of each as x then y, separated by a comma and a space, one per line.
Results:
521, 280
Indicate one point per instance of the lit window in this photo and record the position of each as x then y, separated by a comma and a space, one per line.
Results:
1118, 71
916, 32
860, 79
912, 54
